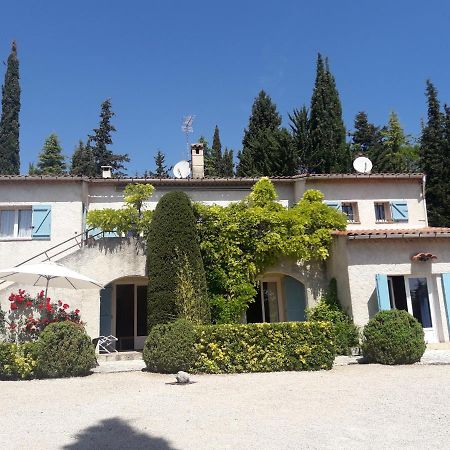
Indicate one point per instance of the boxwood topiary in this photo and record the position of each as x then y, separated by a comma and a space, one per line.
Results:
393, 337
170, 347
64, 350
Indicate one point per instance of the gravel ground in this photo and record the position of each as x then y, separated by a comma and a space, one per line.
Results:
356, 406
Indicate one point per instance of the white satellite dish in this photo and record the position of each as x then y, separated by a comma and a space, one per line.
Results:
182, 169
362, 164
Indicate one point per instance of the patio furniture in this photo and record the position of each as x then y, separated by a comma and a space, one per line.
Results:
107, 344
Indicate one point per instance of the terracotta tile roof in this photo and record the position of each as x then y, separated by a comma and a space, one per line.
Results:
395, 233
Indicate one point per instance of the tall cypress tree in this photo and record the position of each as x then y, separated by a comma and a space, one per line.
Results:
435, 160
9, 122
217, 152
227, 163
161, 168
51, 160
83, 161
328, 151
100, 140
300, 135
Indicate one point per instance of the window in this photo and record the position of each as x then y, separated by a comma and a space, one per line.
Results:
15, 223
351, 211
382, 212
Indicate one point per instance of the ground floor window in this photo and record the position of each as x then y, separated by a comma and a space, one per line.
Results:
280, 298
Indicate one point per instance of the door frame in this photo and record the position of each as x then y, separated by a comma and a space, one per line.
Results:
280, 300
135, 281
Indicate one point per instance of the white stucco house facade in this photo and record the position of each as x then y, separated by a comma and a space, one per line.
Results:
387, 258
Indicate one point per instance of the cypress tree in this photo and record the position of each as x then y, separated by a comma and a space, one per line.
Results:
227, 163
263, 142
172, 240
300, 136
435, 159
51, 159
217, 152
161, 168
328, 151
83, 161
366, 137
100, 140
9, 122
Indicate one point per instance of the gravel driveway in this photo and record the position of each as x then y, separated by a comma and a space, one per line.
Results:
362, 406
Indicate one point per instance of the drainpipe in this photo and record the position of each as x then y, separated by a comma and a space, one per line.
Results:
424, 180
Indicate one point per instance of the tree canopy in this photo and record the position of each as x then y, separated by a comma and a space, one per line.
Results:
51, 160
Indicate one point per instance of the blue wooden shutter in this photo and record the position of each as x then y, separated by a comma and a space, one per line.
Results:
41, 222
384, 301
334, 204
106, 311
446, 289
399, 211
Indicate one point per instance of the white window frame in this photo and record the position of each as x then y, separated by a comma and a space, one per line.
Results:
387, 211
354, 206
15, 236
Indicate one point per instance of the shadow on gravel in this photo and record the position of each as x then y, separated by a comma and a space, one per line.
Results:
115, 434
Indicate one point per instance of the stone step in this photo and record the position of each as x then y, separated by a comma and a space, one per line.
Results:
120, 356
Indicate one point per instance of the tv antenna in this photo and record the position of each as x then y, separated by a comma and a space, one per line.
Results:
362, 164
187, 129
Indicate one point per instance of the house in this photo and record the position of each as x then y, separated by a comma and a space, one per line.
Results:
388, 257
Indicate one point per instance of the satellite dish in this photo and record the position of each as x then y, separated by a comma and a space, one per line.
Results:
362, 164
182, 169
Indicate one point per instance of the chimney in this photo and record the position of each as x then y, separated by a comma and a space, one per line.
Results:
198, 161
106, 171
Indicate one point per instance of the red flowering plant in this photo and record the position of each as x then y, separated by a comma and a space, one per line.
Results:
28, 316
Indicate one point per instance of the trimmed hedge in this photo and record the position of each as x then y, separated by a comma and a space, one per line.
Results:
393, 337
170, 347
64, 350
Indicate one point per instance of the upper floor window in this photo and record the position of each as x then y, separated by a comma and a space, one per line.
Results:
394, 211
15, 223
382, 212
350, 209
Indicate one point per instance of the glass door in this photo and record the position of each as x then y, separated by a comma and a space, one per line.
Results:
141, 317
420, 304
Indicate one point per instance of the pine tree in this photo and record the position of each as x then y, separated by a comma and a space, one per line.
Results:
100, 140
9, 122
366, 137
161, 168
83, 161
328, 151
300, 136
172, 239
51, 160
435, 159
264, 141
227, 163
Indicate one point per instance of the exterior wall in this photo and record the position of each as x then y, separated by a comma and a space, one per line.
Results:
367, 191
368, 257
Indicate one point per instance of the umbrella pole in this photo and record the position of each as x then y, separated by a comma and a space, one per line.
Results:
46, 288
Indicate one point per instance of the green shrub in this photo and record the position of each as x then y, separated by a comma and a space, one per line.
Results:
170, 347
393, 337
64, 350
17, 361
264, 347
329, 309
172, 240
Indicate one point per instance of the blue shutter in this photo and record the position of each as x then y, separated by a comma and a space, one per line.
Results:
384, 301
41, 222
106, 311
399, 211
446, 289
294, 298
334, 204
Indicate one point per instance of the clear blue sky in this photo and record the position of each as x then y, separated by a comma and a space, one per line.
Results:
161, 60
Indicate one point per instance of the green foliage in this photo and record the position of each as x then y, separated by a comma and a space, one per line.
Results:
264, 347
267, 148
367, 139
169, 347
172, 234
328, 151
17, 361
240, 241
132, 217
161, 168
51, 159
9, 122
217, 163
64, 350
328, 309
101, 139
393, 337
435, 159
83, 161
300, 135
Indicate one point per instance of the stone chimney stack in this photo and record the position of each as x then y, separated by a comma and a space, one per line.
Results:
198, 160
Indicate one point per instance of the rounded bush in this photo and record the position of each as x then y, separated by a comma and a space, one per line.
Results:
17, 361
64, 350
170, 347
393, 337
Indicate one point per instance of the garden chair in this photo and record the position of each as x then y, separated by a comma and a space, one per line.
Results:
107, 344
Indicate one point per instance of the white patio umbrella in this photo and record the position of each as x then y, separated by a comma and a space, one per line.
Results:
48, 274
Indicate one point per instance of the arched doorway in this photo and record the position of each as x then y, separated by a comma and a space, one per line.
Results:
123, 312
280, 298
